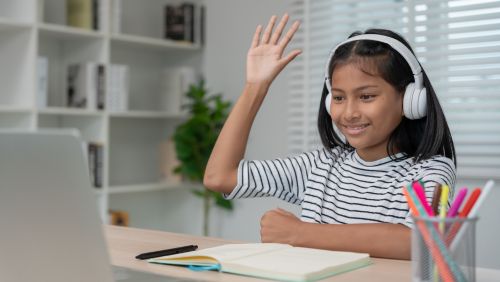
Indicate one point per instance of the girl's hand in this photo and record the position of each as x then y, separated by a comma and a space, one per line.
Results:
265, 58
279, 226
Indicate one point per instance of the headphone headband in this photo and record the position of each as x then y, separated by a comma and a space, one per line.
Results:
395, 44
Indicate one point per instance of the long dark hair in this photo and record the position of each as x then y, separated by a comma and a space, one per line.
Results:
421, 138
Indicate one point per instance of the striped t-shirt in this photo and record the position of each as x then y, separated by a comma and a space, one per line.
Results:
340, 187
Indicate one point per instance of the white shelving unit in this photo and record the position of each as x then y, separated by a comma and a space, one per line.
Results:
131, 139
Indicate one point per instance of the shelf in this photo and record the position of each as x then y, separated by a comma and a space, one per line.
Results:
15, 110
9, 24
146, 114
135, 41
84, 112
69, 111
67, 32
149, 187
132, 139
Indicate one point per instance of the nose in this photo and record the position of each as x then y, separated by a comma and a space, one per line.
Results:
351, 111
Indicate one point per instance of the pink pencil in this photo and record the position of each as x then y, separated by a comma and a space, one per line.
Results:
452, 212
419, 190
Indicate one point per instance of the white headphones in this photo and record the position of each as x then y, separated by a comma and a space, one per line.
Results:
415, 96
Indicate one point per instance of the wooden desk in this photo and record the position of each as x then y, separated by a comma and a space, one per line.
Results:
125, 243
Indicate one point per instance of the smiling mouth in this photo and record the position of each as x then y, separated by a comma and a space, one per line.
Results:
354, 129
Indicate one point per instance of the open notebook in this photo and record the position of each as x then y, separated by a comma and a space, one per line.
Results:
270, 260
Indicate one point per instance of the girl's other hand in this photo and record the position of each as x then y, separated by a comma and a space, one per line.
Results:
279, 226
265, 58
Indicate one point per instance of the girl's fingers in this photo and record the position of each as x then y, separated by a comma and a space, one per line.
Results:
291, 56
256, 36
269, 29
288, 36
279, 29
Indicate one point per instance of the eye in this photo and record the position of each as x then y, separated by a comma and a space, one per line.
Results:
367, 97
337, 99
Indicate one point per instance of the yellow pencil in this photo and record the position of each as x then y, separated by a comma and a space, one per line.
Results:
443, 206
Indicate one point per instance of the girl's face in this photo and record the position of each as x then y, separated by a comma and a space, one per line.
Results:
366, 109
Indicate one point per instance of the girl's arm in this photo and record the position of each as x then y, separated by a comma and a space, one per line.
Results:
265, 61
385, 240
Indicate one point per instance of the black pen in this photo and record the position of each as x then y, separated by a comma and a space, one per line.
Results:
167, 252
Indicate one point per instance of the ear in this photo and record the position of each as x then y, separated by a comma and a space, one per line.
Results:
402, 104
402, 108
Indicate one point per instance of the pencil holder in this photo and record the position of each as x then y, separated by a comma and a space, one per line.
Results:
444, 249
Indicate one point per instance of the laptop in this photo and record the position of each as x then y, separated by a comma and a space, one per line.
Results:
49, 222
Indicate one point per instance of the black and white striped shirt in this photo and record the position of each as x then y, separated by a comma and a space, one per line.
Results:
340, 187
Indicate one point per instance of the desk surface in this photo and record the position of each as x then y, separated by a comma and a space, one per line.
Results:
125, 243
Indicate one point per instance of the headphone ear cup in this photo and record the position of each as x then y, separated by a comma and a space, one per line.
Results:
328, 102
422, 102
407, 101
415, 102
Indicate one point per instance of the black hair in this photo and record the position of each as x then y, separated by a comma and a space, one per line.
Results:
420, 138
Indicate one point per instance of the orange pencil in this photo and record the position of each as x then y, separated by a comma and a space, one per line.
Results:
463, 214
470, 203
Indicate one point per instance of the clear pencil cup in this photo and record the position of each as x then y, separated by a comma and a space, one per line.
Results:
444, 249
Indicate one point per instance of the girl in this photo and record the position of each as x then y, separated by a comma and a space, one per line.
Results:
386, 129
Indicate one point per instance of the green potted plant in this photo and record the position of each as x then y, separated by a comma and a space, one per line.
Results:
194, 140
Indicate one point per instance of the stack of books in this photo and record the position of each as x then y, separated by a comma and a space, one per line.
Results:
184, 22
96, 86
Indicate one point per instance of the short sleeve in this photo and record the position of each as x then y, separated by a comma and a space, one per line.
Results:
281, 178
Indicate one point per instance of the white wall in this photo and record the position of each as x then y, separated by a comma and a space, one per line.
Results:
230, 28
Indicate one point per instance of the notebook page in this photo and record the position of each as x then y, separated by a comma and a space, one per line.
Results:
231, 251
297, 262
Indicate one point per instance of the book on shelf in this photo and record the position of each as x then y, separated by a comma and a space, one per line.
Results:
270, 260
42, 81
83, 14
95, 155
201, 25
81, 85
96, 24
117, 88
188, 10
101, 85
96, 86
184, 22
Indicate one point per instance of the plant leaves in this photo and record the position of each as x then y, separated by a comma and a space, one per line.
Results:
195, 138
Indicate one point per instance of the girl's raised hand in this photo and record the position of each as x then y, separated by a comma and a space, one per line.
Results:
265, 58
